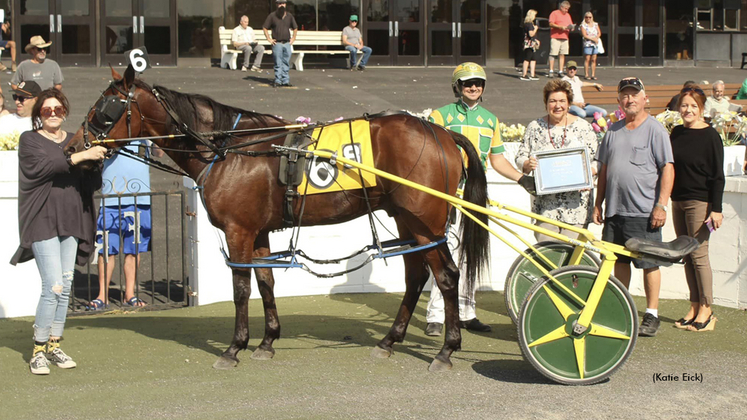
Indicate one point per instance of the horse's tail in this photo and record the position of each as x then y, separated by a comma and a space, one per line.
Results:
474, 239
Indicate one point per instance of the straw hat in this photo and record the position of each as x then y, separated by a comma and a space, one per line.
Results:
37, 42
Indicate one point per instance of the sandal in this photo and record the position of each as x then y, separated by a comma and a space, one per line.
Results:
594, 78
682, 323
135, 301
96, 305
704, 326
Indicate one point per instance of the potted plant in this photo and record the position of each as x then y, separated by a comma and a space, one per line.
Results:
732, 128
9, 157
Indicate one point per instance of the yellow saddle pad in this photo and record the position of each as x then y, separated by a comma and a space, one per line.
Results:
321, 177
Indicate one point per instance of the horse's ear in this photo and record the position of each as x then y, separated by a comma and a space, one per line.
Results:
115, 75
129, 77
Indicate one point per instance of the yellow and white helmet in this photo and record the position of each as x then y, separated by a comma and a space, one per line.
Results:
463, 72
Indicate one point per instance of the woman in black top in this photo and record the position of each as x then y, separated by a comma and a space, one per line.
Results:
696, 201
55, 219
530, 45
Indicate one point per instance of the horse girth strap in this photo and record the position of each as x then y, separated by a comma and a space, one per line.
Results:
182, 126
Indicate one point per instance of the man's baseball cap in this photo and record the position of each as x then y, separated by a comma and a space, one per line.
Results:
354, 18
630, 82
571, 65
27, 89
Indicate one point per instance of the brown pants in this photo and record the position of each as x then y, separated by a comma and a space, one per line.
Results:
689, 219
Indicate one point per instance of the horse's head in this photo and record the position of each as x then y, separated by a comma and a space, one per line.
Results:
117, 114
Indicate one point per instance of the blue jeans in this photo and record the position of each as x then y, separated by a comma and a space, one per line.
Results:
587, 111
354, 55
55, 259
281, 53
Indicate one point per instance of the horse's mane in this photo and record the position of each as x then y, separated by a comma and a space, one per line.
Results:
187, 105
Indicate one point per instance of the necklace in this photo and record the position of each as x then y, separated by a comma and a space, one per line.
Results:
549, 134
55, 138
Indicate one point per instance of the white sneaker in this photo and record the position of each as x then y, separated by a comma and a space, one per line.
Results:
257, 69
39, 364
533, 78
58, 357
243, 68
550, 74
525, 78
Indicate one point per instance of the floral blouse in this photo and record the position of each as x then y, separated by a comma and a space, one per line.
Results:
570, 207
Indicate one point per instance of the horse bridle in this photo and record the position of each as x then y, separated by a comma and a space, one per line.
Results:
107, 111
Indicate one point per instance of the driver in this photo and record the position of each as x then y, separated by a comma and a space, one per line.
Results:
480, 126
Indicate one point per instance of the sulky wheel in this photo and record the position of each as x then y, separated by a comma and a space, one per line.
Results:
523, 274
546, 321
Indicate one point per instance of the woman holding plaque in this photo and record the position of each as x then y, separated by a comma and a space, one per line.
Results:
558, 130
696, 201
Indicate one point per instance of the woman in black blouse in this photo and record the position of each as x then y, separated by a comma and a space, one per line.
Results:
696, 201
55, 219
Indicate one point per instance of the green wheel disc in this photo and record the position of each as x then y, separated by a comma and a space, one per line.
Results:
546, 321
523, 274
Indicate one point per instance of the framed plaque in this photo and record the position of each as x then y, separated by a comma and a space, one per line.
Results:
563, 170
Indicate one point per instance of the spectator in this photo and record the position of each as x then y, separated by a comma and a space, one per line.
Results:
635, 180
8, 45
696, 201
281, 22
530, 45
558, 130
591, 33
20, 121
718, 102
672, 104
742, 93
353, 42
124, 175
561, 25
55, 220
243, 39
39, 68
579, 107
467, 117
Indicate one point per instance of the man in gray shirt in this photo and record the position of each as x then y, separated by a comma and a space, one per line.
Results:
635, 178
353, 42
45, 72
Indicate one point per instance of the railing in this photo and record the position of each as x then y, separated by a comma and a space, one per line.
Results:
161, 277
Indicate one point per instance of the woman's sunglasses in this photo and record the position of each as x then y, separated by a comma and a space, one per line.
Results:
696, 90
46, 112
20, 99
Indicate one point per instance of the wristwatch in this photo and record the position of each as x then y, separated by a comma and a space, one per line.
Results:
661, 206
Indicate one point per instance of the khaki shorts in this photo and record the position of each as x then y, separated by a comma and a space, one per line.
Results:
558, 46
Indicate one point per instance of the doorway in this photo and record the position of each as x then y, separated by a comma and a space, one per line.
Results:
638, 33
134, 23
394, 31
455, 32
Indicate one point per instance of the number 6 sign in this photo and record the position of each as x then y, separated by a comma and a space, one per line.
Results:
138, 59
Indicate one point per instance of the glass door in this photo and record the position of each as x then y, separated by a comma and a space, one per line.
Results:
470, 33
75, 24
134, 23
394, 31
455, 32
638, 38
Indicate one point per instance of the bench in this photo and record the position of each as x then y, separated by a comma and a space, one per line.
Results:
304, 39
658, 95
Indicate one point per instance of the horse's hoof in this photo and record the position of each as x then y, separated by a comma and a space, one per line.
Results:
380, 353
224, 363
262, 354
439, 366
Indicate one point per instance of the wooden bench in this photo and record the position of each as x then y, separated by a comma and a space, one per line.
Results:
310, 42
658, 95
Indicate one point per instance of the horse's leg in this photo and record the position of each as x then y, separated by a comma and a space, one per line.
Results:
446, 275
241, 247
416, 275
266, 284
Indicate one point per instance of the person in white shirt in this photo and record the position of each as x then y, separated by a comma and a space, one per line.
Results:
579, 107
25, 97
243, 39
717, 103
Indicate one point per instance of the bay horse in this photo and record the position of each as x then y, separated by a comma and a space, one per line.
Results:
244, 198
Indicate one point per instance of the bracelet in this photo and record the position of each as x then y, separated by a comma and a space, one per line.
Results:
69, 160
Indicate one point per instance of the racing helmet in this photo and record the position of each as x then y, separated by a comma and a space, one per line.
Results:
463, 72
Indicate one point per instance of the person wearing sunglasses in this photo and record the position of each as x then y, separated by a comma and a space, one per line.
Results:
56, 220
672, 104
697, 201
25, 97
467, 117
635, 182
42, 70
